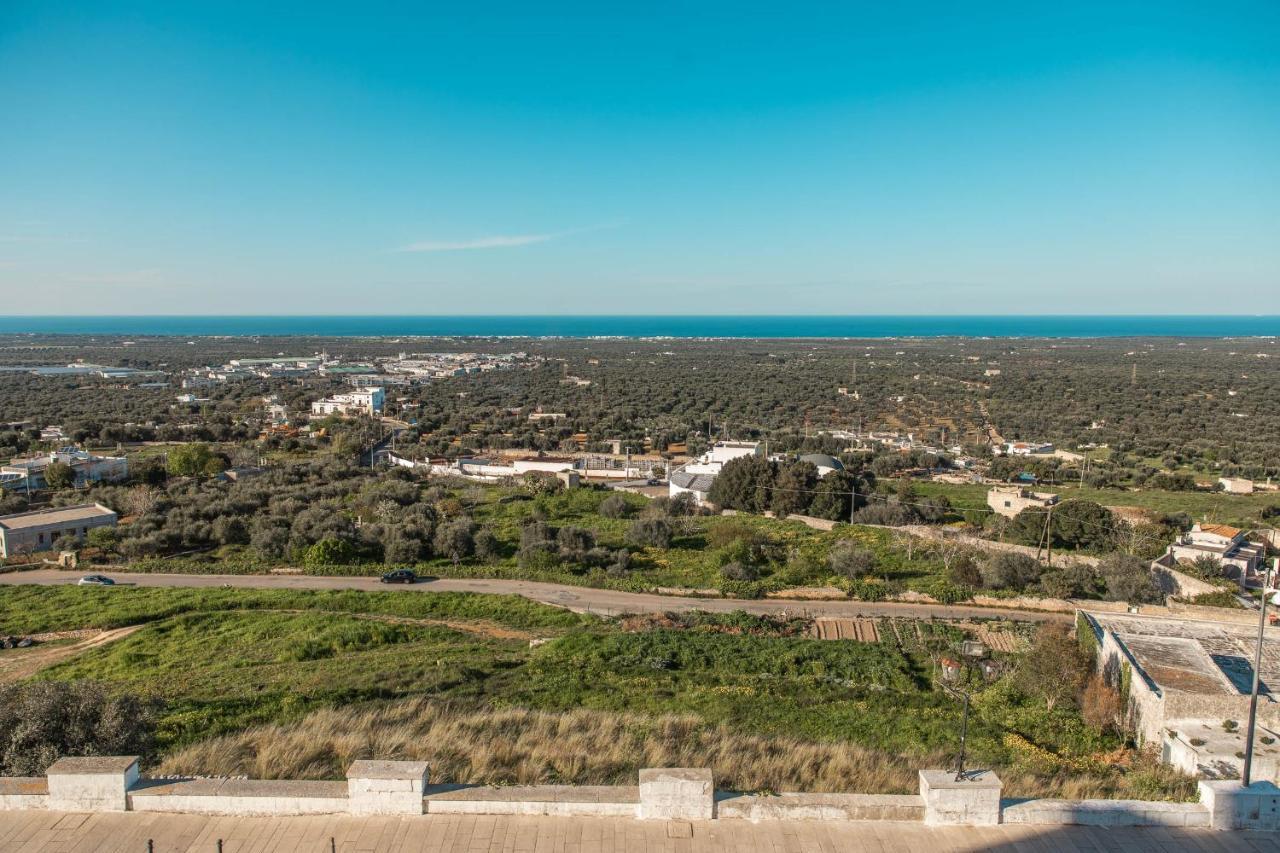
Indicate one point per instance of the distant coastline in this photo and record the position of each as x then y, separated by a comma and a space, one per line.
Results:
679, 326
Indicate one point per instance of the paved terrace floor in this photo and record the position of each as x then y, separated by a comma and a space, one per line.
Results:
54, 832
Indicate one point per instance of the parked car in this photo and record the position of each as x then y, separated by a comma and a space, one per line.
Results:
400, 576
96, 580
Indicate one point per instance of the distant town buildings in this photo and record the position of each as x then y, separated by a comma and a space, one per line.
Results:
442, 365
1011, 500
29, 532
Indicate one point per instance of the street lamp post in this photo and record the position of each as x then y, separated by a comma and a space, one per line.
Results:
1257, 666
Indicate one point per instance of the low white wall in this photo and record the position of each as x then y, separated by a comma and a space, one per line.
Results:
24, 792
663, 794
796, 806
257, 797
550, 800
1105, 813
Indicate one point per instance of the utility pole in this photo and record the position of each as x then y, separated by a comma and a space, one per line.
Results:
1046, 537
1257, 666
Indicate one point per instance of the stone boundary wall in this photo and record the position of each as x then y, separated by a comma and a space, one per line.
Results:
112, 783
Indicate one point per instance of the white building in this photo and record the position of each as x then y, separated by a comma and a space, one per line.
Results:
28, 532
29, 473
1011, 500
1225, 545
1028, 448
1186, 678
681, 482
726, 451
366, 401
696, 477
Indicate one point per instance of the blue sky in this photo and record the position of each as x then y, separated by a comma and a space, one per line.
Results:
730, 158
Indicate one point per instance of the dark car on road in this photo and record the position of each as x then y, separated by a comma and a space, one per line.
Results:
96, 580
400, 576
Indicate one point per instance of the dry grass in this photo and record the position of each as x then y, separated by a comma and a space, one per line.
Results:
521, 746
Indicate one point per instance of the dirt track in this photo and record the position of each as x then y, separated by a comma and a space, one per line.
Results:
17, 664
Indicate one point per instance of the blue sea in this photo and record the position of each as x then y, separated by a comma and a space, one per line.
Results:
686, 326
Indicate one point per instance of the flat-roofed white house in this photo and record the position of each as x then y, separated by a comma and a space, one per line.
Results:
726, 451
38, 530
1029, 448
1011, 500
366, 401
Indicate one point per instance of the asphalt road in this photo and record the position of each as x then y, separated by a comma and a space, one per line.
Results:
605, 602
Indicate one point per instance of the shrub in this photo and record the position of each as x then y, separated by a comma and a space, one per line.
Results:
1100, 705
538, 556
1129, 579
739, 572
43, 721
887, 515
1009, 570
329, 552
574, 542
964, 572
487, 546
615, 506
1072, 581
455, 539
848, 560
1055, 668
650, 533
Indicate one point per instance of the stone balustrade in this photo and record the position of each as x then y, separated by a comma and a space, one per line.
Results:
673, 794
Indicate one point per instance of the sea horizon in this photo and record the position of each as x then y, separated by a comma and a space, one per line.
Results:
691, 326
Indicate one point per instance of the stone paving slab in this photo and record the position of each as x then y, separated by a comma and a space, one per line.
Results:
38, 831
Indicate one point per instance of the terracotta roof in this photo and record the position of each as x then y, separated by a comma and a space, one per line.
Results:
1221, 530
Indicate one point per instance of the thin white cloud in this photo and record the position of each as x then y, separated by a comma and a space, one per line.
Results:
497, 241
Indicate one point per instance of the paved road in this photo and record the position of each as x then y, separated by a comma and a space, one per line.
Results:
606, 602
40, 831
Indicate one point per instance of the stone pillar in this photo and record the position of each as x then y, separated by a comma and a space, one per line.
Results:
973, 801
92, 784
386, 787
677, 793
1233, 806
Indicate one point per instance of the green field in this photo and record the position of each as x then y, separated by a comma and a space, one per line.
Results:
223, 661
